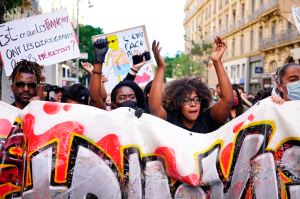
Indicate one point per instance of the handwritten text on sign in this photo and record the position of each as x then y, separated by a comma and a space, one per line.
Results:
46, 39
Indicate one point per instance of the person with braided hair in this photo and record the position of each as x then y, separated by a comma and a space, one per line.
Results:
27, 82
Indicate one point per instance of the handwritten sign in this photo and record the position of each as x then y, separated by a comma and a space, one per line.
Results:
46, 39
122, 46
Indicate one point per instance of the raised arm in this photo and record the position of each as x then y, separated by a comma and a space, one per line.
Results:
135, 68
155, 96
221, 110
100, 49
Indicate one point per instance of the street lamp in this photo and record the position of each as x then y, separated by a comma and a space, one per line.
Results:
90, 5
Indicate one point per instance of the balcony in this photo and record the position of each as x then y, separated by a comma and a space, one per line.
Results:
279, 39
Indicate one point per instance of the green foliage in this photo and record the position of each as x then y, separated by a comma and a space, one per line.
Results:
86, 46
182, 66
85, 40
191, 64
8, 6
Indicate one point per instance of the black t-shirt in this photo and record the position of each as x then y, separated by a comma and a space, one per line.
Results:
203, 124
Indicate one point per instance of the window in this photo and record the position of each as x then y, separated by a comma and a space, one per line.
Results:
226, 20
253, 65
232, 72
63, 72
233, 45
273, 66
238, 71
251, 40
242, 10
253, 5
260, 34
233, 16
273, 29
243, 71
242, 44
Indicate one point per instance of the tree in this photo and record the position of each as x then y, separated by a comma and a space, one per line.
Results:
86, 45
182, 66
201, 52
8, 6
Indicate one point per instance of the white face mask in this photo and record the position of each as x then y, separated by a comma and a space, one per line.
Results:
293, 90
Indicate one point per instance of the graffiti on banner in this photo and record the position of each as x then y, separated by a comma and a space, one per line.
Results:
118, 60
46, 39
76, 151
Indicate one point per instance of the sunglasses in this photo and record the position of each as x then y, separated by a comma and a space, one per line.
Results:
23, 84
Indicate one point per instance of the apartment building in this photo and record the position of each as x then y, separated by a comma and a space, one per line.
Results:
258, 39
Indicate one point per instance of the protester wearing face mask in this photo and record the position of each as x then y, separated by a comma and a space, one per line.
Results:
287, 80
237, 105
127, 94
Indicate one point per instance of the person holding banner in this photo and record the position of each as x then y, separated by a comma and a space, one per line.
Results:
287, 80
185, 102
27, 83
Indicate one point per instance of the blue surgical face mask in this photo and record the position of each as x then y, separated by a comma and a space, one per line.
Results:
293, 90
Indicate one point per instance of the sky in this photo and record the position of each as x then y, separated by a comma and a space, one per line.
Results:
163, 19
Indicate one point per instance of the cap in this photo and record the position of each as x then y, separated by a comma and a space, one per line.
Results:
76, 92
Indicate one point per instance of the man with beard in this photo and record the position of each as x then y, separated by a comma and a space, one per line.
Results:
26, 78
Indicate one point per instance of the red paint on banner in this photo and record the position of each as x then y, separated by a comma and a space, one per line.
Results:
237, 127
111, 145
225, 158
5, 127
51, 108
67, 107
251, 117
170, 157
61, 134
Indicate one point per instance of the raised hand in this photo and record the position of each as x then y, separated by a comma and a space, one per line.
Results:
156, 52
218, 50
88, 67
100, 50
138, 61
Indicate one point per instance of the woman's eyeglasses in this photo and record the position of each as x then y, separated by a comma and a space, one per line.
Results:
23, 84
188, 101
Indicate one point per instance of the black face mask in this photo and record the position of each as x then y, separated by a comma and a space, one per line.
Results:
128, 103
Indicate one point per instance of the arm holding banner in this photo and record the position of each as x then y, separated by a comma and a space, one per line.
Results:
221, 110
100, 49
155, 97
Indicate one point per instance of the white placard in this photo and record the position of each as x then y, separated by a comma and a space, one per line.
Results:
123, 45
46, 39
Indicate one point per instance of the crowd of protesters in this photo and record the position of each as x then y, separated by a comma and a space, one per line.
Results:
187, 102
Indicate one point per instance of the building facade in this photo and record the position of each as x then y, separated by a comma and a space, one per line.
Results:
258, 39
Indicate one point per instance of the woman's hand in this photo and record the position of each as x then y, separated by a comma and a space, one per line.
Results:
218, 50
88, 67
277, 99
158, 58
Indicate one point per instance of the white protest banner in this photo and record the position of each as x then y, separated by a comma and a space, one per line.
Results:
8, 115
46, 39
77, 151
118, 60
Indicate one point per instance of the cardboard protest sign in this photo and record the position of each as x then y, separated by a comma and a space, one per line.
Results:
290, 10
76, 151
118, 60
46, 39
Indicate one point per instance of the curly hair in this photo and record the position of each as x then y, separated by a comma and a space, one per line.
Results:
25, 66
177, 90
